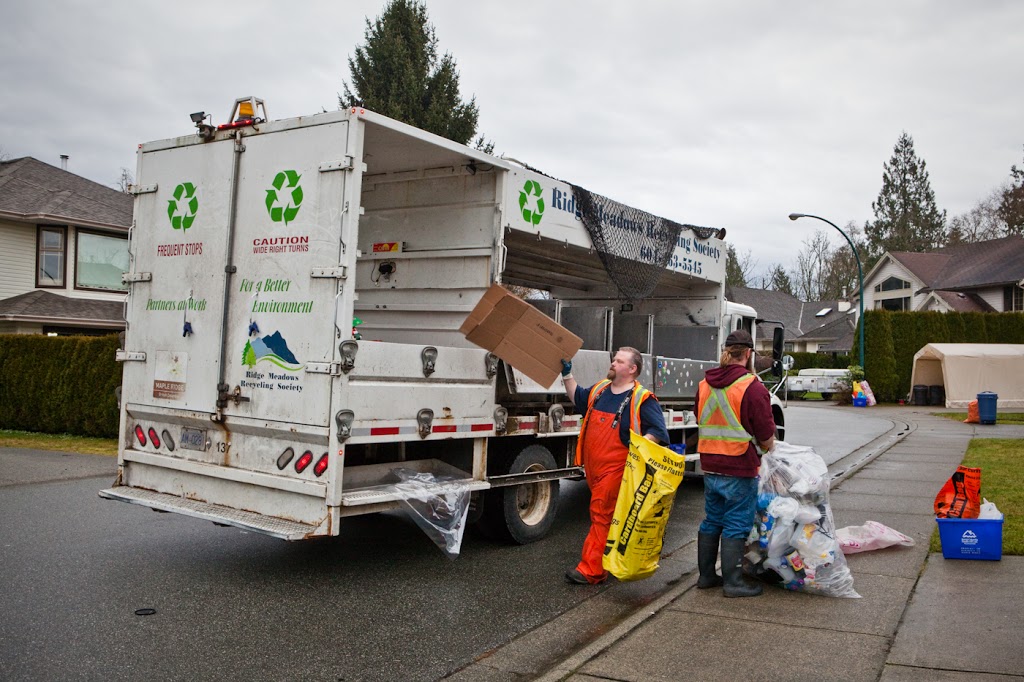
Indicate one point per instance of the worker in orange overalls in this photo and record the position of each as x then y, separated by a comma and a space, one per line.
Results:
611, 408
733, 412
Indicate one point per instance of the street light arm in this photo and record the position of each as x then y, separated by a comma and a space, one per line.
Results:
860, 274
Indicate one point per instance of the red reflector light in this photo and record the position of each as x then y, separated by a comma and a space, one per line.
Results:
236, 124
141, 435
303, 461
321, 466
153, 438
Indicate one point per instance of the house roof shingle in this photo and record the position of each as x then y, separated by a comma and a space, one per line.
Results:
31, 189
968, 266
62, 309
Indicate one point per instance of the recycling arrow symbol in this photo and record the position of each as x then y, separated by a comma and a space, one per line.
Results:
531, 214
285, 198
182, 209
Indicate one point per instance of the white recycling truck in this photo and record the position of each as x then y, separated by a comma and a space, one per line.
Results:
296, 292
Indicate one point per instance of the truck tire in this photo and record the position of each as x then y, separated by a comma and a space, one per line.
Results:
522, 513
826, 396
798, 395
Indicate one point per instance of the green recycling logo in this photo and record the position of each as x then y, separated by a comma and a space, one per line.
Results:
536, 212
182, 209
285, 198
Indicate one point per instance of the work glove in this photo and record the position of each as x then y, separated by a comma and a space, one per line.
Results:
566, 368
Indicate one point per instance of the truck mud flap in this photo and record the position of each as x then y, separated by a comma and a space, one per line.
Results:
268, 525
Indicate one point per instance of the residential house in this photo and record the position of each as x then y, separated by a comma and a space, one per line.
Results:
811, 326
65, 245
984, 276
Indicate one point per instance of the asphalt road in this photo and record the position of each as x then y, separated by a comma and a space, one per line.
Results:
380, 602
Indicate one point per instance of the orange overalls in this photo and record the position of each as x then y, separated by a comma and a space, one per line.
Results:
604, 460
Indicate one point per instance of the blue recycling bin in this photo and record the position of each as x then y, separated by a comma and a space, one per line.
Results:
987, 407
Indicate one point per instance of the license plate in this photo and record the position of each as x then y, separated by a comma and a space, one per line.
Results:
193, 439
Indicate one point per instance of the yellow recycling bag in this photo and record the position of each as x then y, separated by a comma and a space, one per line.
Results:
645, 499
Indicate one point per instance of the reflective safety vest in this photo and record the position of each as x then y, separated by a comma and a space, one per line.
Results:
640, 394
721, 432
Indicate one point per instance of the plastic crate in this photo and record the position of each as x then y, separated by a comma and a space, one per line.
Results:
678, 448
860, 402
971, 538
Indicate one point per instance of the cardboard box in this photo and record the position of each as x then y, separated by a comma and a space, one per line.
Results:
521, 335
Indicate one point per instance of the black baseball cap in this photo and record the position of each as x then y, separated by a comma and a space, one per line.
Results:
739, 338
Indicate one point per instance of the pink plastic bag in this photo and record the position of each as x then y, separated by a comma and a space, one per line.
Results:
872, 535
868, 393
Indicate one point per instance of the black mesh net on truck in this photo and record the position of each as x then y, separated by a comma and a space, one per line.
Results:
634, 246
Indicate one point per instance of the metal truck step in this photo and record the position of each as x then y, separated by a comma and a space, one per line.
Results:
390, 493
269, 525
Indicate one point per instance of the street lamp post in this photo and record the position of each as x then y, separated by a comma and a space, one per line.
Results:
860, 276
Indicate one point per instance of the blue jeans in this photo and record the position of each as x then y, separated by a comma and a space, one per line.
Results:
729, 505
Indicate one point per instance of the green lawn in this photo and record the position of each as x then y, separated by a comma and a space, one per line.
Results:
1001, 417
60, 442
1002, 482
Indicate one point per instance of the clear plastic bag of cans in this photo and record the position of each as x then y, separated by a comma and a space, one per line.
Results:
793, 541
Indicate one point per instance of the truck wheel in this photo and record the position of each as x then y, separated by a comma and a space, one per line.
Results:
798, 395
522, 513
826, 396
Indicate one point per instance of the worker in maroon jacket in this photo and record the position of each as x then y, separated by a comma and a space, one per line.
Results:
733, 412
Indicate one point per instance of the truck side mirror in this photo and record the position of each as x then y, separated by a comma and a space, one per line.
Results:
778, 343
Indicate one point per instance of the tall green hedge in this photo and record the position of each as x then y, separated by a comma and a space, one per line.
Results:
891, 339
818, 361
62, 384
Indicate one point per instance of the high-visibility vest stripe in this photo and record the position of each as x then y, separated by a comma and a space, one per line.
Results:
722, 405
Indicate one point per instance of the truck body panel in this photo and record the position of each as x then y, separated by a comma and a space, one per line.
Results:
297, 289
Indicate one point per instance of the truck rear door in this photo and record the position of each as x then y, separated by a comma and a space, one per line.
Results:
231, 345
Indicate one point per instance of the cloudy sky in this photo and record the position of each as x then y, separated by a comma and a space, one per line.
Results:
724, 114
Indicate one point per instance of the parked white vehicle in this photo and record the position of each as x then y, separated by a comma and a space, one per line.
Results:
251, 398
824, 381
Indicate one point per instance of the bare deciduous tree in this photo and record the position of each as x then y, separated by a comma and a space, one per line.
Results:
982, 222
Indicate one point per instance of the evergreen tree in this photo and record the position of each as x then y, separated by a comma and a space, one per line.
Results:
778, 280
737, 269
1011, 204
906, 217
398, 73
248, 355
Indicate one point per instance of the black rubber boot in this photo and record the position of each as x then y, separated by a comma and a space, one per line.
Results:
707, 555
732, 570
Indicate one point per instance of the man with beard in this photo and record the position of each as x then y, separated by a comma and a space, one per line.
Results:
611, 408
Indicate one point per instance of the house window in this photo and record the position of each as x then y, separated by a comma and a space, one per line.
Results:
789, 346
894, 303
894, 284
100, 260
51, 256
1013, 299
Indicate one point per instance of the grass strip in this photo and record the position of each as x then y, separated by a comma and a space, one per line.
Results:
1001, 417
60, 442
1002, 482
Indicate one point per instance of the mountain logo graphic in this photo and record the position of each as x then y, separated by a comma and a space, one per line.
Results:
969, 538
273, 349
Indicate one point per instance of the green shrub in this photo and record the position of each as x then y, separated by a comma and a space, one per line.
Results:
61, 384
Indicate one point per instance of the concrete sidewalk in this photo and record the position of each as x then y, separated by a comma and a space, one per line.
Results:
920, 617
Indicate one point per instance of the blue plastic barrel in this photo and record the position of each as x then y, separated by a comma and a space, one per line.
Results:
987, 407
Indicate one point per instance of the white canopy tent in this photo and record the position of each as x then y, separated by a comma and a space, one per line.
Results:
967, 369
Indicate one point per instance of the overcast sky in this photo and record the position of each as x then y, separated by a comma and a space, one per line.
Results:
723, 114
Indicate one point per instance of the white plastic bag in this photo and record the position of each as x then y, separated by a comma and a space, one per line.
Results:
438, 505
805, 555
989, 511
872, 535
